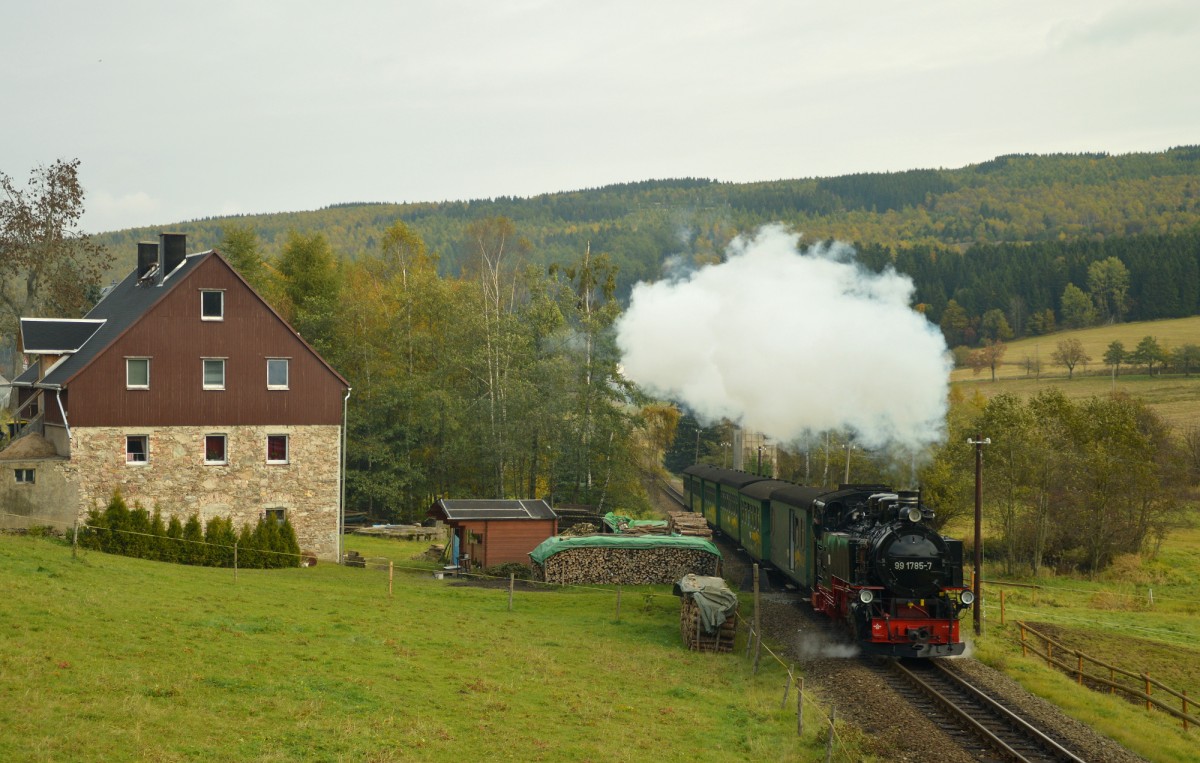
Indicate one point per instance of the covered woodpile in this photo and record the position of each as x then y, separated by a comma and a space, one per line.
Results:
707, 613
688, 523
691, 628
624, 560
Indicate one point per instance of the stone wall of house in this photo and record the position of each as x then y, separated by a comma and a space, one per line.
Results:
48, 501
176, 479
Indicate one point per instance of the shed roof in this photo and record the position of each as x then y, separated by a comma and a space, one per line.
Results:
466, 509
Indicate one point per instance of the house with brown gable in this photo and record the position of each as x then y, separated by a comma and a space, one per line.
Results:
186, 391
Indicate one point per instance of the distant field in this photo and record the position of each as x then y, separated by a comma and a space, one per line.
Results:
1175, 397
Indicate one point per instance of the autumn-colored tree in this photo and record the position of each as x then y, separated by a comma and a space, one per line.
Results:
1070, 353
48, 266
988, 356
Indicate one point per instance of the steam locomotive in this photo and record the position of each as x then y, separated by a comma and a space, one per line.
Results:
865, 553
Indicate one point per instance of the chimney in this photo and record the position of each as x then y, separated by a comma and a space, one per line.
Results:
147, 259
172, 249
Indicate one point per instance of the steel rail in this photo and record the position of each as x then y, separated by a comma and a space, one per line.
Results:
998, 711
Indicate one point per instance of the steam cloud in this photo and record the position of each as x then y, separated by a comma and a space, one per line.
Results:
791, 342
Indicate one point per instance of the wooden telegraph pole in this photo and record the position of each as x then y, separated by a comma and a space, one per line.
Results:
978, 442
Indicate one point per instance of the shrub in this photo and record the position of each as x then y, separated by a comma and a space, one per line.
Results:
192, 550
160, 546
219, 535
137, 533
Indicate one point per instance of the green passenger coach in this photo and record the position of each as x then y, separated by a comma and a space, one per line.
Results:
754, 517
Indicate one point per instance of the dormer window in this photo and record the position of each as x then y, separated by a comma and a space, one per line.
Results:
212, 305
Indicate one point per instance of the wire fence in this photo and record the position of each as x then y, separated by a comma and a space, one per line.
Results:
826, 726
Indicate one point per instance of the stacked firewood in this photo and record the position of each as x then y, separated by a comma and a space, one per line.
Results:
626, 566
688, 523
692, 631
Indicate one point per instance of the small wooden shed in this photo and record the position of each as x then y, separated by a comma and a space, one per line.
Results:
487, 532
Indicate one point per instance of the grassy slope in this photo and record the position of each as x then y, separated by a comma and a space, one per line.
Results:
1175, 397
108, 658
1111, 618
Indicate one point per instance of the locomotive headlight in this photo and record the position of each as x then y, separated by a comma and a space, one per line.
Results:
967, 598
866, 596
913, 514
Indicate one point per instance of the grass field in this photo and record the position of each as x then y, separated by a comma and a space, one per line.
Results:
1142, 615
108, 658
1175, 397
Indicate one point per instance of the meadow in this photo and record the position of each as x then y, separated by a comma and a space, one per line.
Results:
1142, 614
1175, 397
110, 658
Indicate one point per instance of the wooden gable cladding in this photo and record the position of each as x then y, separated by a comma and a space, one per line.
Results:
173, 335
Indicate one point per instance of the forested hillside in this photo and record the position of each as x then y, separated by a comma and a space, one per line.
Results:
1007, 234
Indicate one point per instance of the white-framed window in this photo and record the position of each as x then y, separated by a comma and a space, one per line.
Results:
279, 515
212, 305
137, 373
137, 449
215, 451
277, 449
25, 476
277, 373
214, 373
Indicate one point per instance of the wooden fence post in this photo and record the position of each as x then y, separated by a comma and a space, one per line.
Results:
1079, 667
1049, 654
235, 545
75, 540
512, 580
1148, 691
757, 622
1002, 593
800, 708
829, 742
787, 684
1024, 647
391, 573
1185, 712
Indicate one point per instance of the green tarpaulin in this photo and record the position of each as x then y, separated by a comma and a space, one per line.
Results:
552, 546
617, 521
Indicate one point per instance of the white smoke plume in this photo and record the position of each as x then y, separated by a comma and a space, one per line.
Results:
811, 646
790, 342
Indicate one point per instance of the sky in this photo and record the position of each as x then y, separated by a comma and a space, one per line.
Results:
184, 110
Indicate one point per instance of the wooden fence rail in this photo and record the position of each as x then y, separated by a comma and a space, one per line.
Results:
1147, 684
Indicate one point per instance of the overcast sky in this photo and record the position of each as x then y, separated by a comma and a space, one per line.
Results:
180, 110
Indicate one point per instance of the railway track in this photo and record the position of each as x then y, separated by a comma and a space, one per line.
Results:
672, 493
978, 722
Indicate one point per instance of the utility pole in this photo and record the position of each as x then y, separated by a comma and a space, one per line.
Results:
978, 442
